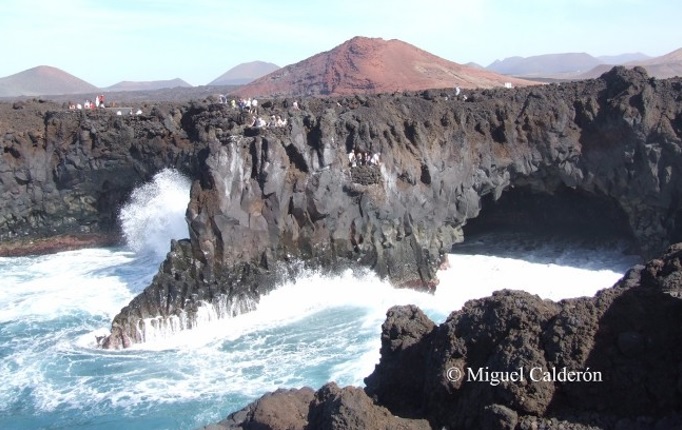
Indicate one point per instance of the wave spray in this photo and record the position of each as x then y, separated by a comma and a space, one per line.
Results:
155, 213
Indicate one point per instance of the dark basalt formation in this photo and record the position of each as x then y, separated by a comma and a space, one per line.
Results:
65, 174
268, 203
623, 347
330, 407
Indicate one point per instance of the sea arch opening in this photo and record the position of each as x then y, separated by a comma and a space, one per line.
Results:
566, 214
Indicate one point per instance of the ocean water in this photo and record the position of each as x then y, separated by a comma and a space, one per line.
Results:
306, 332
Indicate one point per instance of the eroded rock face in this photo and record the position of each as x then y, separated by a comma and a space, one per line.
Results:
65, 174
268, 199
268, 203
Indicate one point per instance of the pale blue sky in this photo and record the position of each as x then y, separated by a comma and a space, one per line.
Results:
107, 41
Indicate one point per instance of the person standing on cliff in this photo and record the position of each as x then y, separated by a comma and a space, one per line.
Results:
351, 159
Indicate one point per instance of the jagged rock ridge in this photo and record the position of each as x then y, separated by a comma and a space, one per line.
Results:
269, 198
266, 202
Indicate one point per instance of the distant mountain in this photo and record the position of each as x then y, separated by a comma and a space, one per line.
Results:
623, 58
43, 81
663, 67
548, 65
595, 72
474, 65
245, 73
669, 58
148, 85
365, 65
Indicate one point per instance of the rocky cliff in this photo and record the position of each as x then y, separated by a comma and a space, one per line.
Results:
513, 361
267, 203
65, 174
271, 202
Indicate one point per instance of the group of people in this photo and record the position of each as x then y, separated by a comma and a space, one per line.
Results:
275, 121
250, 105
88, 104
99, 104
357, 158
138, 112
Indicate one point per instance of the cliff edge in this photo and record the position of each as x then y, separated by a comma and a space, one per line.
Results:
271, 202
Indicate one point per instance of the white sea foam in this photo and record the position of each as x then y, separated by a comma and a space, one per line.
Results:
310, 303
475, 276
156, 213
305, 332
48, 287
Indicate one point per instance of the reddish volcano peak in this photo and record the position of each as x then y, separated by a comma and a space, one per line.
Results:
372, 65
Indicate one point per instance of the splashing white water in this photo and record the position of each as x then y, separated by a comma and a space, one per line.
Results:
308, 331
470, 277
47, 287
155, 213
158, 329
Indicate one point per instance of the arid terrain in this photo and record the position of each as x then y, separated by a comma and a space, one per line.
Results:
370, 66
360, 65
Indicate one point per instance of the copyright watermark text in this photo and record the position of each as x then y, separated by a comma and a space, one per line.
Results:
534, 374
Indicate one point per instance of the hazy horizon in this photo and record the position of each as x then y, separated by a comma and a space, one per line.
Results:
104, 44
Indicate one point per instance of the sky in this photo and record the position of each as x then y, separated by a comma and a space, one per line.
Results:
107, 41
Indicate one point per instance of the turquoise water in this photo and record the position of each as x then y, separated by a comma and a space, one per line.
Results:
55, 377
306, 332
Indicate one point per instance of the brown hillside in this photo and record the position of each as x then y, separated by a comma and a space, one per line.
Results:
671, 57
148, 85
663, 67
244, 73
372, 65
43, 80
